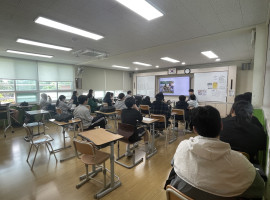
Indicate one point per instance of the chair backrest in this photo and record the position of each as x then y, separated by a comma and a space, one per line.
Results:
179, 111
119, 112
144, 107
88, 106
58, 111
84, 147
161, 118
125, 130
174, 194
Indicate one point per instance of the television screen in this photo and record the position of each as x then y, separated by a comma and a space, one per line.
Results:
175, 85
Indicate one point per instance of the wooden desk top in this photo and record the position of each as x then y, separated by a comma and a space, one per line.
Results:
37, 112
110, 113
100, 136
72, 121
147, 120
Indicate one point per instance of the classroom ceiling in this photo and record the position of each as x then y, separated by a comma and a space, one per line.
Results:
187, 28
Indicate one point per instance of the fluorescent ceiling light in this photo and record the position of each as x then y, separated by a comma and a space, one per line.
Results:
142, 7
183, 63
29, 54
43, 44
157, 66
143, 64
67, 28
218, 59
170, 59
122, 67
209, 54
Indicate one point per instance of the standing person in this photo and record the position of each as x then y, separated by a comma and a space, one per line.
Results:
107, 99
191, 92
120, 103
88, 121
61, 104
92, 102
131, 116
206, 168
75, 98
182, 104
129, 94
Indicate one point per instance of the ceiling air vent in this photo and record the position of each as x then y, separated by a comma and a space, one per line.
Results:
91, 53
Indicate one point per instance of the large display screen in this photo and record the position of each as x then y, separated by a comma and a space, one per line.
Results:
175, 85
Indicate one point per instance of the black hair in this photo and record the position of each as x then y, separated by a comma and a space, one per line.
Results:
138, 100
111, 94
121, 96
82, 99
129, 92
90, 93
129, 102
61, 98
147, 98
240, 97
182, 98
193, 97
159, 96
206, 121
191, 90
243, 111
107, 96
74, 93
248, 96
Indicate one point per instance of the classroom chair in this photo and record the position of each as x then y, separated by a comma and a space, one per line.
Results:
58, 111
90, 156
36, 141
145, 109
174, 194
126, 130
178, 113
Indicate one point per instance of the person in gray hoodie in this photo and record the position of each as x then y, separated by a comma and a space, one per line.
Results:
120, 103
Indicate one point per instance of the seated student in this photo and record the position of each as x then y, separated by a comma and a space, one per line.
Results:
240, 133
129, 94
146, 101
160, 108
131, 116
192, 103
206, 168
138, 100
75, 98
61, 104
45, 102
82, 112
182, 104
107, 99
92, 102
120, 103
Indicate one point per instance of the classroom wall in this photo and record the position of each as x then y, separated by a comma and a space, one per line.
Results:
105, 79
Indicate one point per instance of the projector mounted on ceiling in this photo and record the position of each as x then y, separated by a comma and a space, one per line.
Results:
91, 53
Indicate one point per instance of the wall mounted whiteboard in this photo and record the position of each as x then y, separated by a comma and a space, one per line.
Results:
146, 85
211, 86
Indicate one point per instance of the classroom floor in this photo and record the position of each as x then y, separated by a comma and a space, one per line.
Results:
54, 180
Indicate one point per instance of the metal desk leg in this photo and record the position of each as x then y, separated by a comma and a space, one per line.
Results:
174, 136
113, 185
65, 147
153, 150
115, 126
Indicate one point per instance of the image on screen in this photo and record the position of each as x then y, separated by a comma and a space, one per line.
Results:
175, 85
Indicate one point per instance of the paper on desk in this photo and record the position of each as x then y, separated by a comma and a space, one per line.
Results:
147, 119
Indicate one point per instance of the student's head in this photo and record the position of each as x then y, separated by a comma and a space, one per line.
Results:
182, 98
75, 93
129, 92
147, 98
240, 97
129, 102
191, 91
90, 93
248, 96
44, 96
62, 98
82, 99
121, 96
159, 96
107, 95
192, 97
206, 121
242, 110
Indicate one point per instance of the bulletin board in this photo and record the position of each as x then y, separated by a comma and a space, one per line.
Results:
211, 86
146, 85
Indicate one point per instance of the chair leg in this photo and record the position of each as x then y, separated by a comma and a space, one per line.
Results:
86, 178
29, 152
52, 150
104, 174
35, 157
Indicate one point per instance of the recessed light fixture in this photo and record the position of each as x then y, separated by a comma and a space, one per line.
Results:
183, 63
143, 64
218, 59
29, 54
43, 44
142, 8
157, 66
170, 59
209, 54
122, 67
63, 27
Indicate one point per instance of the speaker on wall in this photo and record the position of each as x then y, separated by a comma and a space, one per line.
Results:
78, 82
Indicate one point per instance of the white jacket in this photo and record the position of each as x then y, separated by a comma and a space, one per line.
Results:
211, 166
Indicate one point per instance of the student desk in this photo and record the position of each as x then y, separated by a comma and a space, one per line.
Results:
102, 137
62, 124
150, 122
110, 114
37, 112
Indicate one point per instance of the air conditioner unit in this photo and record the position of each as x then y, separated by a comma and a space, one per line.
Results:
91, 53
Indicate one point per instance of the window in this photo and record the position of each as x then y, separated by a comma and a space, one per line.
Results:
7, 97
117, 92
67, 94
65, 86
99, 94
6, 85
47, 85
26, 85
28, 97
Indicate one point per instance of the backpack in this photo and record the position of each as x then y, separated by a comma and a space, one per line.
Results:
24, 104
63, 117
